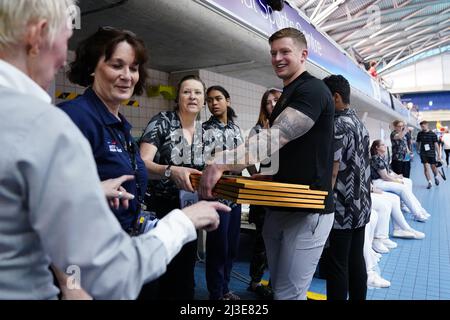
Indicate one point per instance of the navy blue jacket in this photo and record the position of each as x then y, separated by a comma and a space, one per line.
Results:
110, 140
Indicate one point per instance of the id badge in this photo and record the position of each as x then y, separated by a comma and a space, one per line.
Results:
426, 147
187, 198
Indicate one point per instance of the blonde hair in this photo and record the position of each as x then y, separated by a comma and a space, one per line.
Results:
15, 15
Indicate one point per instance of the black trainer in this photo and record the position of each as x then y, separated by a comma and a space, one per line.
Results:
263, 292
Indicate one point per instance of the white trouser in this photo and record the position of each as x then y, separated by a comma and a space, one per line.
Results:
371, 263
388, 205
398, 219
404, 191
294, 243
383, 210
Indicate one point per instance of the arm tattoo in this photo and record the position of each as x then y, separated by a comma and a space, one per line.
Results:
292, 125
289, 125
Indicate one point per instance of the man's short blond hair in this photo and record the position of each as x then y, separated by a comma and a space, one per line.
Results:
15, 15
292, 33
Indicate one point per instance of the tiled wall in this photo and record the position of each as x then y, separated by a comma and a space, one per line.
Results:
245, 97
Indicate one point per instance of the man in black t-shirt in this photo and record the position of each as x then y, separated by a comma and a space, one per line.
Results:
428, 145
304, 117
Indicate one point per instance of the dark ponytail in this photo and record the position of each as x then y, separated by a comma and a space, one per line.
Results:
231, 115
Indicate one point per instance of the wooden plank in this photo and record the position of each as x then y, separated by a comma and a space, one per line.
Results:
275, 203
259, 185
280, 189
220, 192
293, 194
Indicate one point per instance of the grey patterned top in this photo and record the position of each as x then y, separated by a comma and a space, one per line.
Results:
165, 132
352, 187
218, 137
378, 162
399, 147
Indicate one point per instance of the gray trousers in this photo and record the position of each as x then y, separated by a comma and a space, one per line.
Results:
294, 243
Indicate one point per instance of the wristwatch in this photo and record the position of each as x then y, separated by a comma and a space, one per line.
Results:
168, 172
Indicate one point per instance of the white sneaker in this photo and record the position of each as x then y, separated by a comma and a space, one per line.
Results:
425, 214
421, 218
417, 234
379, 247
405, 209
388, 243
406, 234
374, 280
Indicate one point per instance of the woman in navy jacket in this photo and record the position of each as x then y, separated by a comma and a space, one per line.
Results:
111, 64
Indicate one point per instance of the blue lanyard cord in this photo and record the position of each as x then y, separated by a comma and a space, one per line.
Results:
131, 149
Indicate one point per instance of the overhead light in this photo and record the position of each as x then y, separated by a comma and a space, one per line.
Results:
360, 42
419, 23
419, 32
444, 22
391, 45
386, 39
382, 30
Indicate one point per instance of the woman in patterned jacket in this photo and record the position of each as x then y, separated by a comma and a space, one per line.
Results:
221, 133
383, 178
171, 147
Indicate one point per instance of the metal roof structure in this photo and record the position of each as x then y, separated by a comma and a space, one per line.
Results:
387, 31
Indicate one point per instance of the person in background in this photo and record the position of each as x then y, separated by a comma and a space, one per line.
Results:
171, 147
409, 157
344, 263
258, 262
427, 144
111, 64
373, 69
383, 178
222, 245
294, 237
53, 207
401, 153
446, 141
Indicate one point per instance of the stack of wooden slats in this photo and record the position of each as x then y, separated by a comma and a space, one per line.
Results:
265, 193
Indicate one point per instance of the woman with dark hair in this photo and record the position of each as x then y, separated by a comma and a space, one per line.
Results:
171, 147
221, 133
383, 178
111, 63
258, 263
268, 102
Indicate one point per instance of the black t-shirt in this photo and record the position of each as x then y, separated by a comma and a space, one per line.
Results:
427, 140
308, 159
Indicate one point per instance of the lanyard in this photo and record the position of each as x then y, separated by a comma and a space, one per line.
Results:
131, 149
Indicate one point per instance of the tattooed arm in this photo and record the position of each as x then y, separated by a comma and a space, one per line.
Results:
288, 126
292, 125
